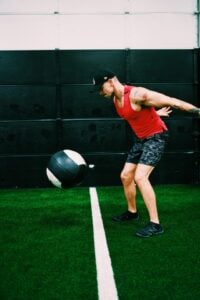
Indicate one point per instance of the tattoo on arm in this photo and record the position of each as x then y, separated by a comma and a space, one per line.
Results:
195, 111
135, 93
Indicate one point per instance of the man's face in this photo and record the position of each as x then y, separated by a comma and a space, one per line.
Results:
107, 89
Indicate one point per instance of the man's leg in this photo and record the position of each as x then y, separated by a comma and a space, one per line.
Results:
127, 178
142, 180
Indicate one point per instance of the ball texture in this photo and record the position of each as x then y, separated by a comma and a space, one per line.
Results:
66, 168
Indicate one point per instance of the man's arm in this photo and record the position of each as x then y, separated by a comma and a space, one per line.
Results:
142, 96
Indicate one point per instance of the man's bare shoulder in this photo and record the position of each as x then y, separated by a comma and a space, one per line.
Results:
138, 93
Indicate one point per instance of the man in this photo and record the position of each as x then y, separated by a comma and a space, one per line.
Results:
137, 106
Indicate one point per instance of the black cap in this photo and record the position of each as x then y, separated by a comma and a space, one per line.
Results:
100, 78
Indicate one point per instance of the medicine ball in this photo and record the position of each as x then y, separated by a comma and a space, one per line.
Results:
66, 168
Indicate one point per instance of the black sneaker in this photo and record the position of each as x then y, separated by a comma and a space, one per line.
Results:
149, 230
126, 216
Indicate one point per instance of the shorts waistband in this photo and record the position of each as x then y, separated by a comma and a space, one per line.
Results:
154, 135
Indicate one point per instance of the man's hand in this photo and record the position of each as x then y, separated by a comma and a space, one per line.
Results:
164, 111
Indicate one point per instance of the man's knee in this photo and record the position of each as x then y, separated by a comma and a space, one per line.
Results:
126, 177
139, 178
142, 174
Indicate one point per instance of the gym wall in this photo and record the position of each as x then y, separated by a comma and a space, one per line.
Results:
49, 51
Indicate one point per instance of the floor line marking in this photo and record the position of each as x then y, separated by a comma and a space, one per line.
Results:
105, 278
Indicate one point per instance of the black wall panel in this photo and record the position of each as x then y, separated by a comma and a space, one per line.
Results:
21, 102
23, 171
27, 137
46, 105
163, 66
20, 67
107, 168
176, 168
181, 135
78, 66
95, 135
78, 102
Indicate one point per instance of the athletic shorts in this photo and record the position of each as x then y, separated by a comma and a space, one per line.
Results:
148, 151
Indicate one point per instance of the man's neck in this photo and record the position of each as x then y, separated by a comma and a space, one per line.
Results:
119, 92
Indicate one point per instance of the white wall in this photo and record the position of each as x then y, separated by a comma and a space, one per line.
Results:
98, 24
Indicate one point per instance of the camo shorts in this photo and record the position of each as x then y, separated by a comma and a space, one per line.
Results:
148, 151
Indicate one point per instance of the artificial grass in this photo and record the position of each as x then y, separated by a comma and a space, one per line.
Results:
46, 247
162, 267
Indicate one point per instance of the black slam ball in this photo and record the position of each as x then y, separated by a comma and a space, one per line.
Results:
66, 168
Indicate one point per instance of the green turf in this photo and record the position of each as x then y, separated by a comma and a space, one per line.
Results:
47, 251
46, 247
162, 267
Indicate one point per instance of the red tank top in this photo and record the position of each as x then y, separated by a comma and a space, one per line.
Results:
145, 122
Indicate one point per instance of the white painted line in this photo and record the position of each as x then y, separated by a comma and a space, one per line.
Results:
105, 277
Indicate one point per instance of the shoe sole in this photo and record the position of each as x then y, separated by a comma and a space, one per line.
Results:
122, 221
146, 236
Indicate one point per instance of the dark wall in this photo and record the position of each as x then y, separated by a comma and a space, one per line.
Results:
46, 106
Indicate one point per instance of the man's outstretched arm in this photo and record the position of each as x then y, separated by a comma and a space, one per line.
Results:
143, 96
